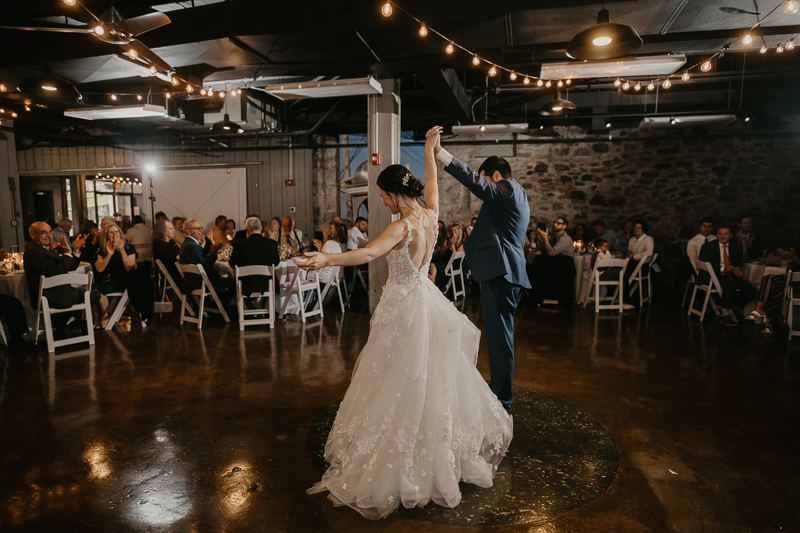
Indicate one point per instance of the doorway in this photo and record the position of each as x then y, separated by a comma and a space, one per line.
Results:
43, 207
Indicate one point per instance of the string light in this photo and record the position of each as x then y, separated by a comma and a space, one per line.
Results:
526, 81
175, 81
790, 45
706, 66
608, 125
617, 83
667, 84
651, 86
637, 87
569, 81
512, 76
779, 49
210, 91
763, 49
189, 88
3, 88
791, 7
14, 114
626, 86
153, 69
99, 30
548, 84
747, 39
114, 97
139, 97
238, 91
560, 83
493, 71
169, 96
386, 10
450, 48
202, 92
423, 30
685, 76
539, 83
132, 54
70, 2
476, 60
222, 94
27, 108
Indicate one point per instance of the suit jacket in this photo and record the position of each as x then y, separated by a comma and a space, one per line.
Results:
255, 250
40, 261
494, 248
192, 254
710, 253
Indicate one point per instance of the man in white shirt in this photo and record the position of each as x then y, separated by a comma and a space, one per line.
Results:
357, 236
141, 238
697, 242
293, 237
639, 247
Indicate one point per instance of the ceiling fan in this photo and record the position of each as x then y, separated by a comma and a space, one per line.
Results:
111, 28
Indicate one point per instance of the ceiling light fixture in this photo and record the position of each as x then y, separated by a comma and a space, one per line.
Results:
70, 2
189, 88
226, 125
386, 9
47, 86
114, 97
605, 40
558, 107
99, 30
791, 7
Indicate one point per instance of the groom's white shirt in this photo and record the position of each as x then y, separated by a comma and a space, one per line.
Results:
445, 157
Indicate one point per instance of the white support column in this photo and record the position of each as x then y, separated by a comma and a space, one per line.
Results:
383, 138
11, 230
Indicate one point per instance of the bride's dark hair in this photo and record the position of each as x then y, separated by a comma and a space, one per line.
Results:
397, 179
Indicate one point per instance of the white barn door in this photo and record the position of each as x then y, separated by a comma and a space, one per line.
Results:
201, 194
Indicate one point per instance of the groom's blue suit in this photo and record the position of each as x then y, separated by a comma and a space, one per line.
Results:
496, 261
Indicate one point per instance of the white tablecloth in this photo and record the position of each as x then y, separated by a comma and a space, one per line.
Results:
754, 273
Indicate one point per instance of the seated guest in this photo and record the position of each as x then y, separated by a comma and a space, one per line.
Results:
752, 247
273, 230
125, 223
116, 271
600, 231
579, 233
725, 257
697, 242
333, 243
242, 233
639, 247
771, 291
198, 250
141, 238
441, 256
530, 249
218, 230
254, 250
63, 230
177, 222
166, 249
601, 248
602, 251
292, 237
357, 236
161, 215
624, 235
560, 243
440, 238
45, 258
230, 229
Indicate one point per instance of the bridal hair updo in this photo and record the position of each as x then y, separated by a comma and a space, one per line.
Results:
397, 179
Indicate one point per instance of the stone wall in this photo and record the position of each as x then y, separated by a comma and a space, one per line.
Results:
326, 181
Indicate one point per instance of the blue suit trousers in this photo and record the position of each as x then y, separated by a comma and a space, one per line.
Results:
499, 300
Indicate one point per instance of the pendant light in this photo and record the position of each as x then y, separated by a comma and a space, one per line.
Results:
605, 40
558, 107
226, 125
49, 86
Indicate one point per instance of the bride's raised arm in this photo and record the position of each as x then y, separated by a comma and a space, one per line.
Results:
376, 248
431, 177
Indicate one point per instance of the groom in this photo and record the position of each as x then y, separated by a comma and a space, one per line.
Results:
494, 253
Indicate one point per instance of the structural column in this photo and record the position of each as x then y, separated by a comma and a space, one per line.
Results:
10, 202
383, 138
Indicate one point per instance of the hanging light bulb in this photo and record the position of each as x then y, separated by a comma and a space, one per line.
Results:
27, 108
202, 92
539, 83
139, 97
169, 96
706, 66
626, 86
617, 83
133, 54
70, 2
560, 83
672, 121
476, 60
153, 69
238, 91
14, 114
189, 88
747, 39
512, 76
763, 49
3, 88
791, 7
222, 94
527, 80
790, 45
548, 84
423, 30
779, 49
568, 82
493, 71
667, 84
210, 91
685, 76
114, 97
386, 10
608, 125
99, 30
637, 87
651, 86
175, 81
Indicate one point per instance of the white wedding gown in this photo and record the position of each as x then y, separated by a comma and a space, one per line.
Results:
418, 417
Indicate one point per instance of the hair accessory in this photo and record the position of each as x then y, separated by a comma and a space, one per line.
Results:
405, 180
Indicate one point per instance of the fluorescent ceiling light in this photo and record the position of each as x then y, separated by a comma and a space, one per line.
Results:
629, 68
325, 89
187, 4
126, 111
491, 129
695, 120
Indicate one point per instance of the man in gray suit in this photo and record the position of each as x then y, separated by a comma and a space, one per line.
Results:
494, 253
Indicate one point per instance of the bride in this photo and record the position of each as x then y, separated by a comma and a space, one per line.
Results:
418, 417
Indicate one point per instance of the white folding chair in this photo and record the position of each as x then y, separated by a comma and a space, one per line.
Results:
689, 284
455, 273
170, 283
711, 287
3, 334
117, 303
337, 280
639, 276
307, 286
206, 289
596, 283
268, 296
43, 308
363, 281
792, 300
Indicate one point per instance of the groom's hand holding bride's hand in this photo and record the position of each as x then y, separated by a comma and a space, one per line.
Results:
433, 139
312, 261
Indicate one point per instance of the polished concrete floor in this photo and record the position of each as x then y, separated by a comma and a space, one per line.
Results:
170, 429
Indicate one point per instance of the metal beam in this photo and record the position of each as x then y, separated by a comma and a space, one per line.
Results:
448, 92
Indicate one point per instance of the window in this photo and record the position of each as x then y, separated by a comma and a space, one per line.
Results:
109, 198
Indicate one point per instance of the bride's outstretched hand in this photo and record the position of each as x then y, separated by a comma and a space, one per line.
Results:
432, 138
312, 261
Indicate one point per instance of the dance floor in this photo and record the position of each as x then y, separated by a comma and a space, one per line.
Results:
646, 423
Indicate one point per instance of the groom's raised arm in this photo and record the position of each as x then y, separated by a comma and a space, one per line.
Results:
480, 186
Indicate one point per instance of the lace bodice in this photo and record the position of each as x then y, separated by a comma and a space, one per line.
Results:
401, 268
